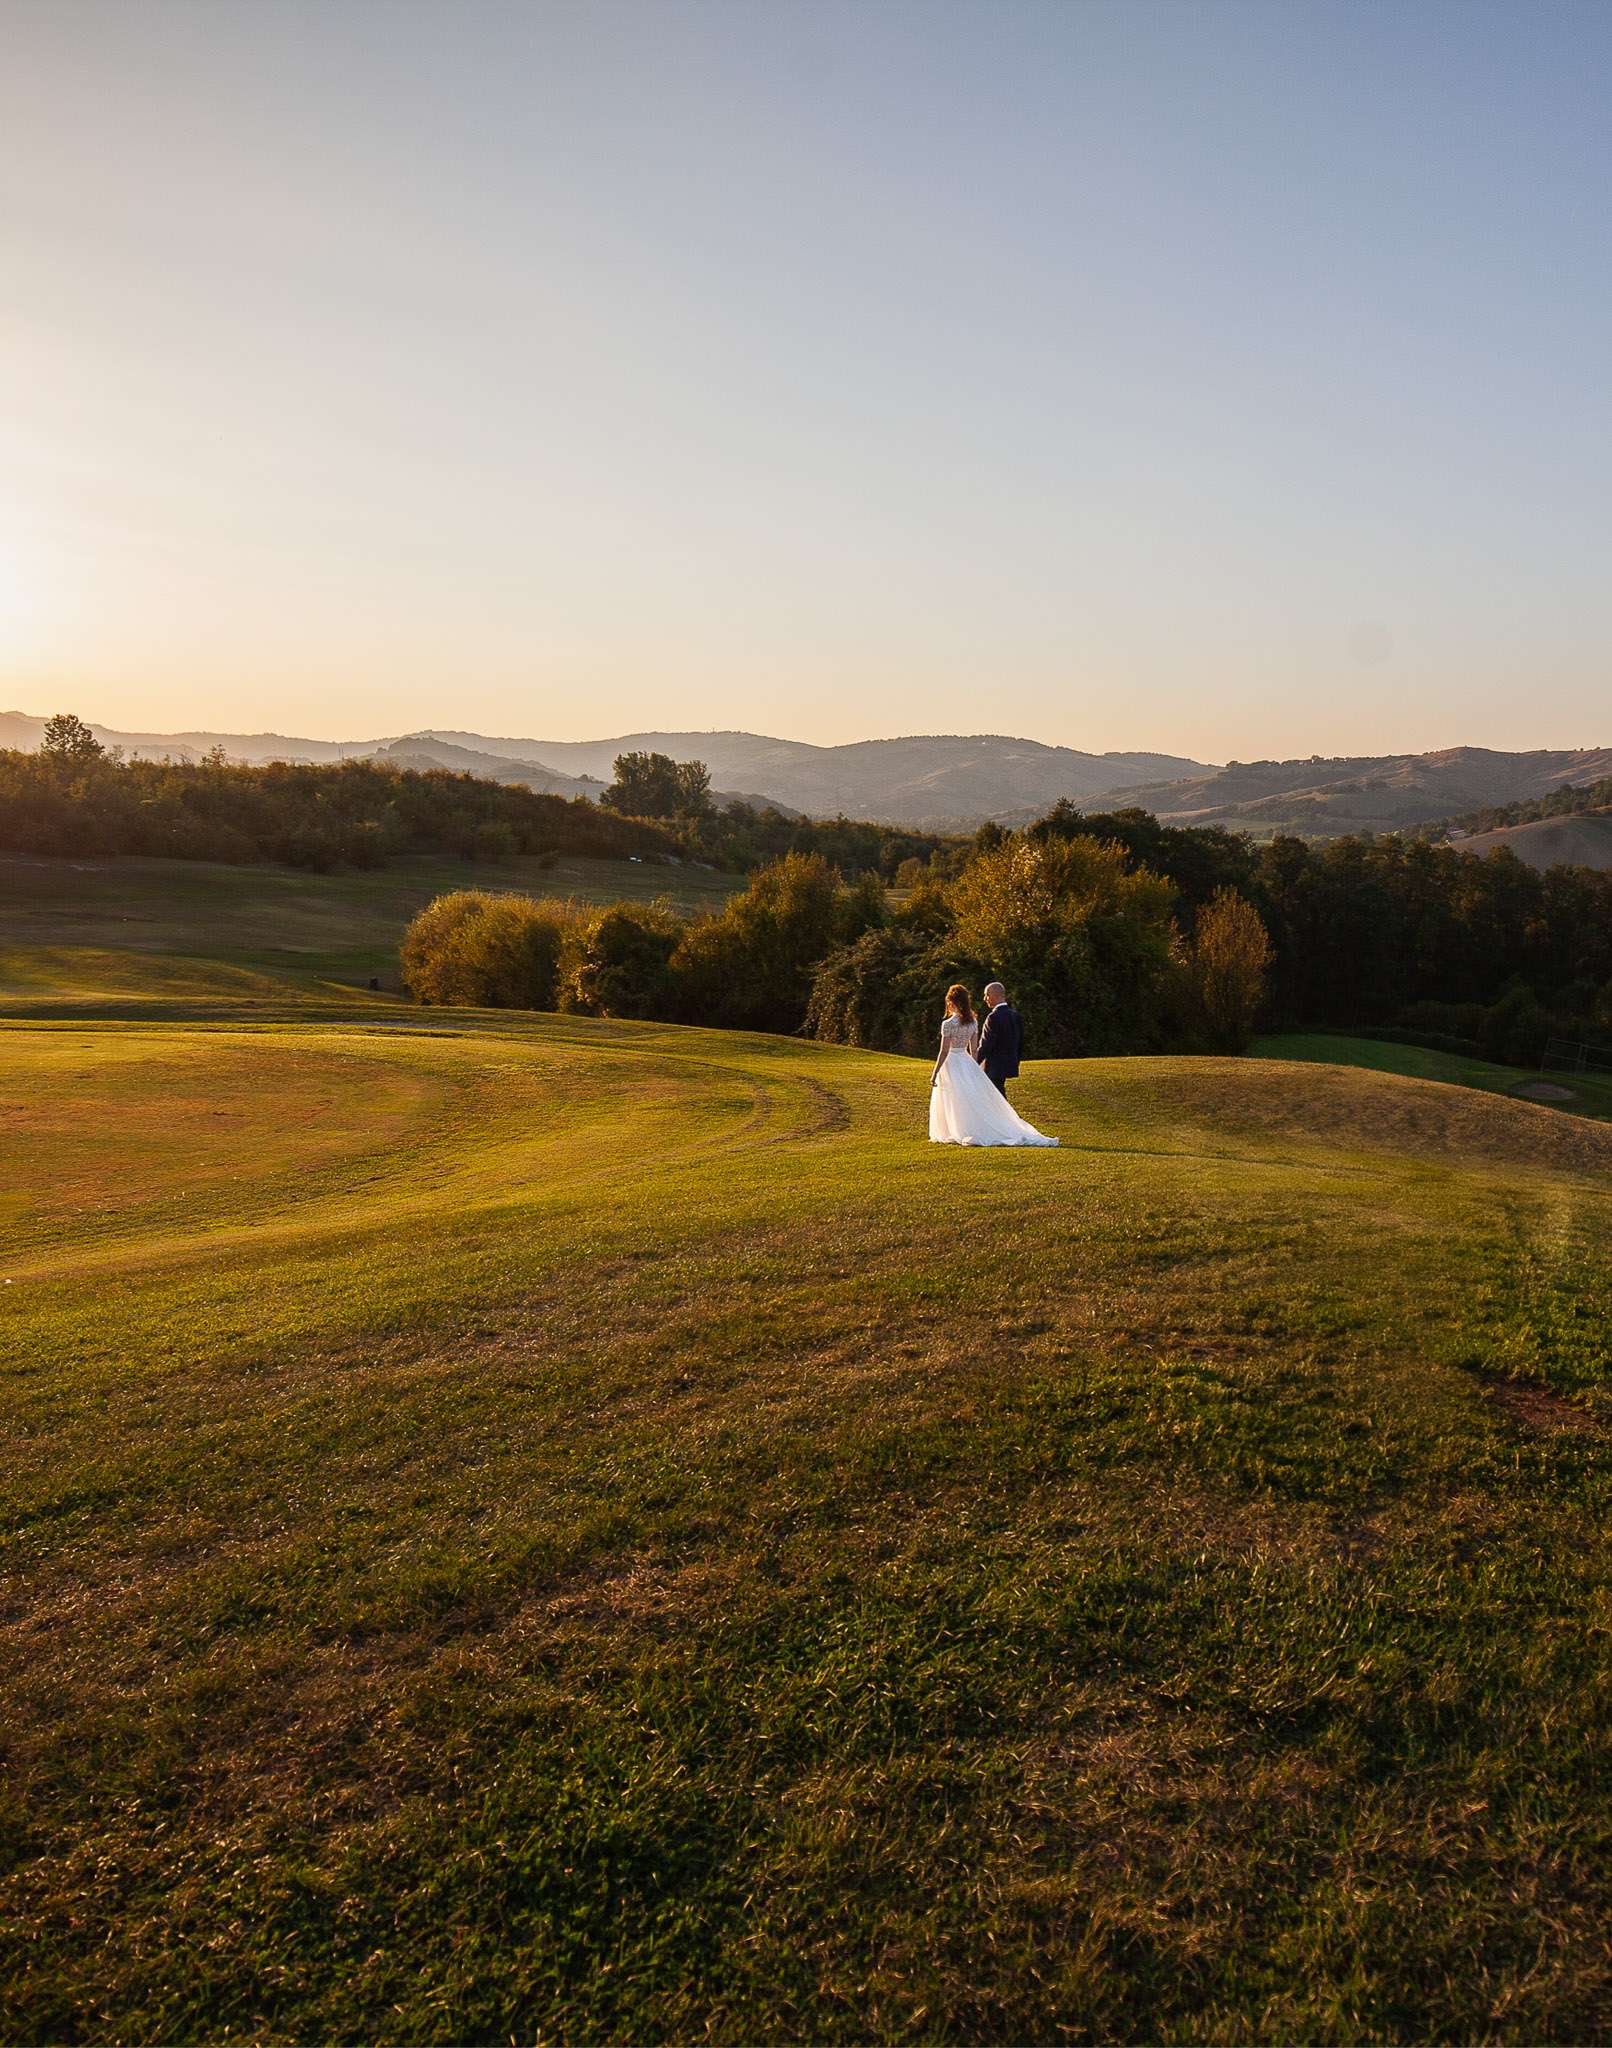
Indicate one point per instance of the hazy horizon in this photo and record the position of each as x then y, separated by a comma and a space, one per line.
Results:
1223, 381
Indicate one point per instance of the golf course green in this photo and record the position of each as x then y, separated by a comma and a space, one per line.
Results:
527, 1527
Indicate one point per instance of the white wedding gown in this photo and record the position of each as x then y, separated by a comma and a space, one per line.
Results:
965, 1105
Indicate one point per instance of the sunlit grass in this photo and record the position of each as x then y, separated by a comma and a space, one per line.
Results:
589, 1531
1586, 1094
64, 923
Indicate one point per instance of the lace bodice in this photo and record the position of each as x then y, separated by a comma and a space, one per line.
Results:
956, 1036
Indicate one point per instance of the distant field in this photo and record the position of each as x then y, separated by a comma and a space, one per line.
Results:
531, 1527
295, 926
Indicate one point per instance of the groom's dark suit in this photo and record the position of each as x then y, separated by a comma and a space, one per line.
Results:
1000, 1044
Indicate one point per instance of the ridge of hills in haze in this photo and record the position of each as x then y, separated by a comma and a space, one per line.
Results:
934, 780
940, 783
1322, 798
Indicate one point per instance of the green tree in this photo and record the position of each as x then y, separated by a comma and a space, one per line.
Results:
885, 990
1226, 961
498, 952
656, 786
618, 963
694, 790
752, 967
1081, 938
68, 738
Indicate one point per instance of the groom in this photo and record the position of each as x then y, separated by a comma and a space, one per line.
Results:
1001, 1040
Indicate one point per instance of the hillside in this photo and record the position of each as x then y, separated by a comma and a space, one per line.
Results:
953, 784
1386, 793
552, 1528
934, 784
1583, 841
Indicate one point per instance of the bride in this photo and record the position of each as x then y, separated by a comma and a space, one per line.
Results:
965, 1108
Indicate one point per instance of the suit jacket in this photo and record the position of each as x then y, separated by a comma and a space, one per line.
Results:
1001, 1042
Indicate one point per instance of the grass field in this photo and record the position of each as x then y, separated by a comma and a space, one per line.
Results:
542, 1529
297, 927
1585, 1094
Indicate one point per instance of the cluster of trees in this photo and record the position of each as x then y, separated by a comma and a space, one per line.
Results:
1116, 935
74, 798
656, 786
1393, 933
749, 967
742, 837
1566, 802
1084, 939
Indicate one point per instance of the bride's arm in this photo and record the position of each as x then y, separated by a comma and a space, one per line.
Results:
945, 1047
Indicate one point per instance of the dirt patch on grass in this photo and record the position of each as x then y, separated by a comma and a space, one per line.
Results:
1544, 1091
1535, 1407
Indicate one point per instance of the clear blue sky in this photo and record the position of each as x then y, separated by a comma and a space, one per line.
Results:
1227, 379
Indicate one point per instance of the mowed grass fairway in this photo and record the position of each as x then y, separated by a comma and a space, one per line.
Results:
531, 1528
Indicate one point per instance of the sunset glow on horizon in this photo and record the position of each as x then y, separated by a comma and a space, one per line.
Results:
1227, 380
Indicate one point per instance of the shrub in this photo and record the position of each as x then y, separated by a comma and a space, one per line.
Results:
753, 965
886, 990
618, 963
499, 952
1514, 1032
494, 840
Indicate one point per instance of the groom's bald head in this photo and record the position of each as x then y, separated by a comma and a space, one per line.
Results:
995, 992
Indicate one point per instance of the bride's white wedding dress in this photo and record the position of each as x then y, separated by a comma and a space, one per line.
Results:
965, 1105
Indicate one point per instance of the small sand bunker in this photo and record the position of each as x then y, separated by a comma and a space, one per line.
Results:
1543, 1091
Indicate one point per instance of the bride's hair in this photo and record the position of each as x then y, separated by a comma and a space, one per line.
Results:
957, 1002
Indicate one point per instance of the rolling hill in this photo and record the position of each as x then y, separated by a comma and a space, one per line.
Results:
1583, 840
943, 783
1379, 793
551, 1528
936, 783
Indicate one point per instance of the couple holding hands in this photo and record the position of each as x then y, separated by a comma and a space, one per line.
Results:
968, 1102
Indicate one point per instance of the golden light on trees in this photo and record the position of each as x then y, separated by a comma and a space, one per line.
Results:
1226, 962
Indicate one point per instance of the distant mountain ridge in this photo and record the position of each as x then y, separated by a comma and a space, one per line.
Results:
952, 782
935, 782
932, 780
1372, 793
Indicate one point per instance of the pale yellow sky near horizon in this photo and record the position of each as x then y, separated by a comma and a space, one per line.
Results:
1226, 382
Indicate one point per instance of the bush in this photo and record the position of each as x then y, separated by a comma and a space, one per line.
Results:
618, 963
886, 990
753, 965
497, 952
1514, 1032
494, 840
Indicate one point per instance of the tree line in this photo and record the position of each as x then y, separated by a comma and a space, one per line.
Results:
1115, 933
1570, 801
73, 797
743, 837
1113, 929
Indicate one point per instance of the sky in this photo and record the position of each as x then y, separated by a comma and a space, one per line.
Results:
1225, 379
